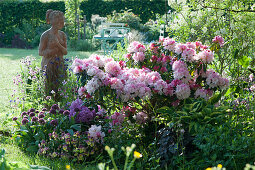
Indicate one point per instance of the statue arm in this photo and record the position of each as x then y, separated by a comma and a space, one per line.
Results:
44, 50
63, 47
43, 45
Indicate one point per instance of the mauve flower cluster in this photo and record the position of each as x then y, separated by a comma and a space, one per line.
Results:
81, 113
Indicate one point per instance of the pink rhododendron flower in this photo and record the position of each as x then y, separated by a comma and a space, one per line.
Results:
92, 85
116, 83
141, 117
154, 48
212, 78
168, 90
81, 91
188, 54
202, 93
181, 71
122, 64
169, 44
92, 70
135, 47
218, 40
128, 56
178, 64
180, 48
182, 91
191, 45
95, 133
205, 56
113, 68
139, 56
117, 118
175, 103
176, 82
159, 86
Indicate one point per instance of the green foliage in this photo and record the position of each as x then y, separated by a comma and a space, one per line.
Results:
233, 20
14, 13
72, 13
127, 17
82, 45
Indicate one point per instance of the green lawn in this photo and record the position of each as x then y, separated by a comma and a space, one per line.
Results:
9, 67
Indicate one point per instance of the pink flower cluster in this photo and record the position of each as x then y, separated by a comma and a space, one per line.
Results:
144, 83
137, 50
117, 119
214, 80
95, 133
203, 93
218, 40
181, 71
141, 117
190, 52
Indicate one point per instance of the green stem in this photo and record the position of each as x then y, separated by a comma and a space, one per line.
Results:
113, 162
126, 161
132, 163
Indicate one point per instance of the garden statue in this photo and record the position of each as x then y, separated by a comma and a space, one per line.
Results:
53, 47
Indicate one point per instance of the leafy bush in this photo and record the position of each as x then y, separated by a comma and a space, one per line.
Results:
83, 45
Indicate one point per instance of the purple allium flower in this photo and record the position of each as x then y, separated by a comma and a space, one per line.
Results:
23, 114
14, 118
53, 111
32, 114
25, 117
34, 119
55, 107
44, 109
84, 115
41, 115
36, 111
24, 121
31, 110
54, 122
61, 111
66, 112
41, 121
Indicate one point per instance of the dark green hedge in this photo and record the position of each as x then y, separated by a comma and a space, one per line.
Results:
145, 9
13, 13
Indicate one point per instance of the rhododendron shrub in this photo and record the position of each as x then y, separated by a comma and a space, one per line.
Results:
174, 71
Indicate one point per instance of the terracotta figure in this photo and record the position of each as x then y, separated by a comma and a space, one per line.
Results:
53, 47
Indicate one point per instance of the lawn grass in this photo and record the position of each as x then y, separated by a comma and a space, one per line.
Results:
9, 66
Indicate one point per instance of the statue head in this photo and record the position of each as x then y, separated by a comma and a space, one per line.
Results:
55, 18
